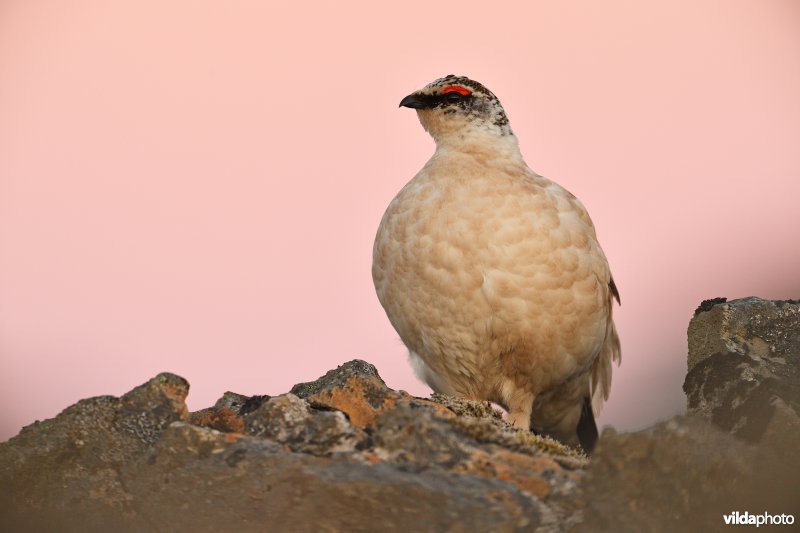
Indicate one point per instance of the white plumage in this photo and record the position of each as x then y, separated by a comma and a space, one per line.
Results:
492, 275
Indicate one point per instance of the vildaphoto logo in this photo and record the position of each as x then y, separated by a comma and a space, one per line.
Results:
746, 519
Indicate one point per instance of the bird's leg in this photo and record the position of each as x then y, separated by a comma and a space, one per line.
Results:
519, 409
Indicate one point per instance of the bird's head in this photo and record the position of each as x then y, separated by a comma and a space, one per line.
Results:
458, 107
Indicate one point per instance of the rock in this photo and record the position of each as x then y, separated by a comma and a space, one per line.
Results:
736, 451
415, 439
744, 364
64, 474
761, 328
354, 388
486, 425
353, 454
680, 475
228, 412
348, 453
198, 479
290, 420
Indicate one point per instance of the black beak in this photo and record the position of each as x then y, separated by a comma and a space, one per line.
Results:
418, 101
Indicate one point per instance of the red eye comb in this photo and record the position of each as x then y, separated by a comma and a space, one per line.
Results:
463, 91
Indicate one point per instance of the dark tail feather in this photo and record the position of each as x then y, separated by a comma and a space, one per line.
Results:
587, 428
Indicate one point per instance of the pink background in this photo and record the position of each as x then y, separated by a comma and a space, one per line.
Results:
194, 186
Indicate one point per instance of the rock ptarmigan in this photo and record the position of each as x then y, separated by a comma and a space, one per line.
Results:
493, 276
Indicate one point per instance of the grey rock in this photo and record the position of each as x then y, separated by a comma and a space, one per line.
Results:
744, 363
290, 420
761, 328
231, 400
411, 436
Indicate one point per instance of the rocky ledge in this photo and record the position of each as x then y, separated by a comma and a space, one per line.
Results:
347, 453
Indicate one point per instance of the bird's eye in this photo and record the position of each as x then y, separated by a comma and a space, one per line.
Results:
454, 93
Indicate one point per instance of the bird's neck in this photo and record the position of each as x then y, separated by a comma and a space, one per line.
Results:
480, 143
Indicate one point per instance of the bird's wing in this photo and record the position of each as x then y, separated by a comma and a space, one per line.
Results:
609, 352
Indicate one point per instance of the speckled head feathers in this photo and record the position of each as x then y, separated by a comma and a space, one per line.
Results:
458, 105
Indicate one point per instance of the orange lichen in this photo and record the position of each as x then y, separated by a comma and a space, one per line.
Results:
223, 419
523, 471
371, 457
355, 400
230, 438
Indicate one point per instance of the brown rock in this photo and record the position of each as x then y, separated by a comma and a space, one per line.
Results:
521, 470
222, 419
197, 481
281, 464
64, 474
680, 475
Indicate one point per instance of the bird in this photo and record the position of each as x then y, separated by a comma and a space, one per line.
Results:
493, 276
